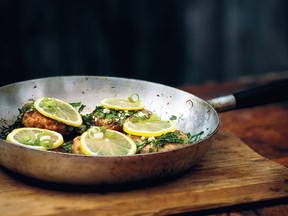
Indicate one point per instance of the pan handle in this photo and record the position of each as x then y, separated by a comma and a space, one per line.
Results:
265, 94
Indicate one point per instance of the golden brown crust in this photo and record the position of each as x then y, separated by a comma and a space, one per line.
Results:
113, 125
76, 147
37, 120
167, 147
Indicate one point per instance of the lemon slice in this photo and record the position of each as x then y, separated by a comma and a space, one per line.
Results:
58, 110
149, 128
35, 138
121, 104
108, 143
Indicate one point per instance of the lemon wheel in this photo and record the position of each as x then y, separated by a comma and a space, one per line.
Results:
58, 110
149, 128
35, 138
108, 143
121, 104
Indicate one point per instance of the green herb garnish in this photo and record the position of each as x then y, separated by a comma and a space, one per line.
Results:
171, 137
5, 130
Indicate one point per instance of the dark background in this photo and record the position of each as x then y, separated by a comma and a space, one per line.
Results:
174, 42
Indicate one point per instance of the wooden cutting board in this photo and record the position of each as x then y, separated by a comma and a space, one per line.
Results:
231, 173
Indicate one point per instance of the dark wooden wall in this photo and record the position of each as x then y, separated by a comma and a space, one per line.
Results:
174, 42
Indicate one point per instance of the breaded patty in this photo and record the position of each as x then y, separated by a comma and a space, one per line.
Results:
112, 125
166, 147
36, 119
76, 147
148, 148
116, 123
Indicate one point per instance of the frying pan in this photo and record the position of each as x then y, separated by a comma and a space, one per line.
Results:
194, 115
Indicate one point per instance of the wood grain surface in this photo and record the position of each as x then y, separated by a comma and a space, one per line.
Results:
263, 128
231, 173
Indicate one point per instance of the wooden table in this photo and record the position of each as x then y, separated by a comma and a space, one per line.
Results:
264, 129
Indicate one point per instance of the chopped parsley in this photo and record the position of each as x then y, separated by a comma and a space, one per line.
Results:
171, 137
5, 130
66, 147
112, 115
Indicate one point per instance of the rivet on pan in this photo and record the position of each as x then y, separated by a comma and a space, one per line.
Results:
189, 104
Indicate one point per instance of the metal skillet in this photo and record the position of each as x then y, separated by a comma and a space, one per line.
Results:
194, 115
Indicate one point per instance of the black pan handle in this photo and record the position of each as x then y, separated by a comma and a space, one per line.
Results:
269, 93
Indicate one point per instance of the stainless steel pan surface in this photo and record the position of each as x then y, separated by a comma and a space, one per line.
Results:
194, 115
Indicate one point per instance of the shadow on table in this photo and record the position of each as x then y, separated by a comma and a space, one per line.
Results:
99, 188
